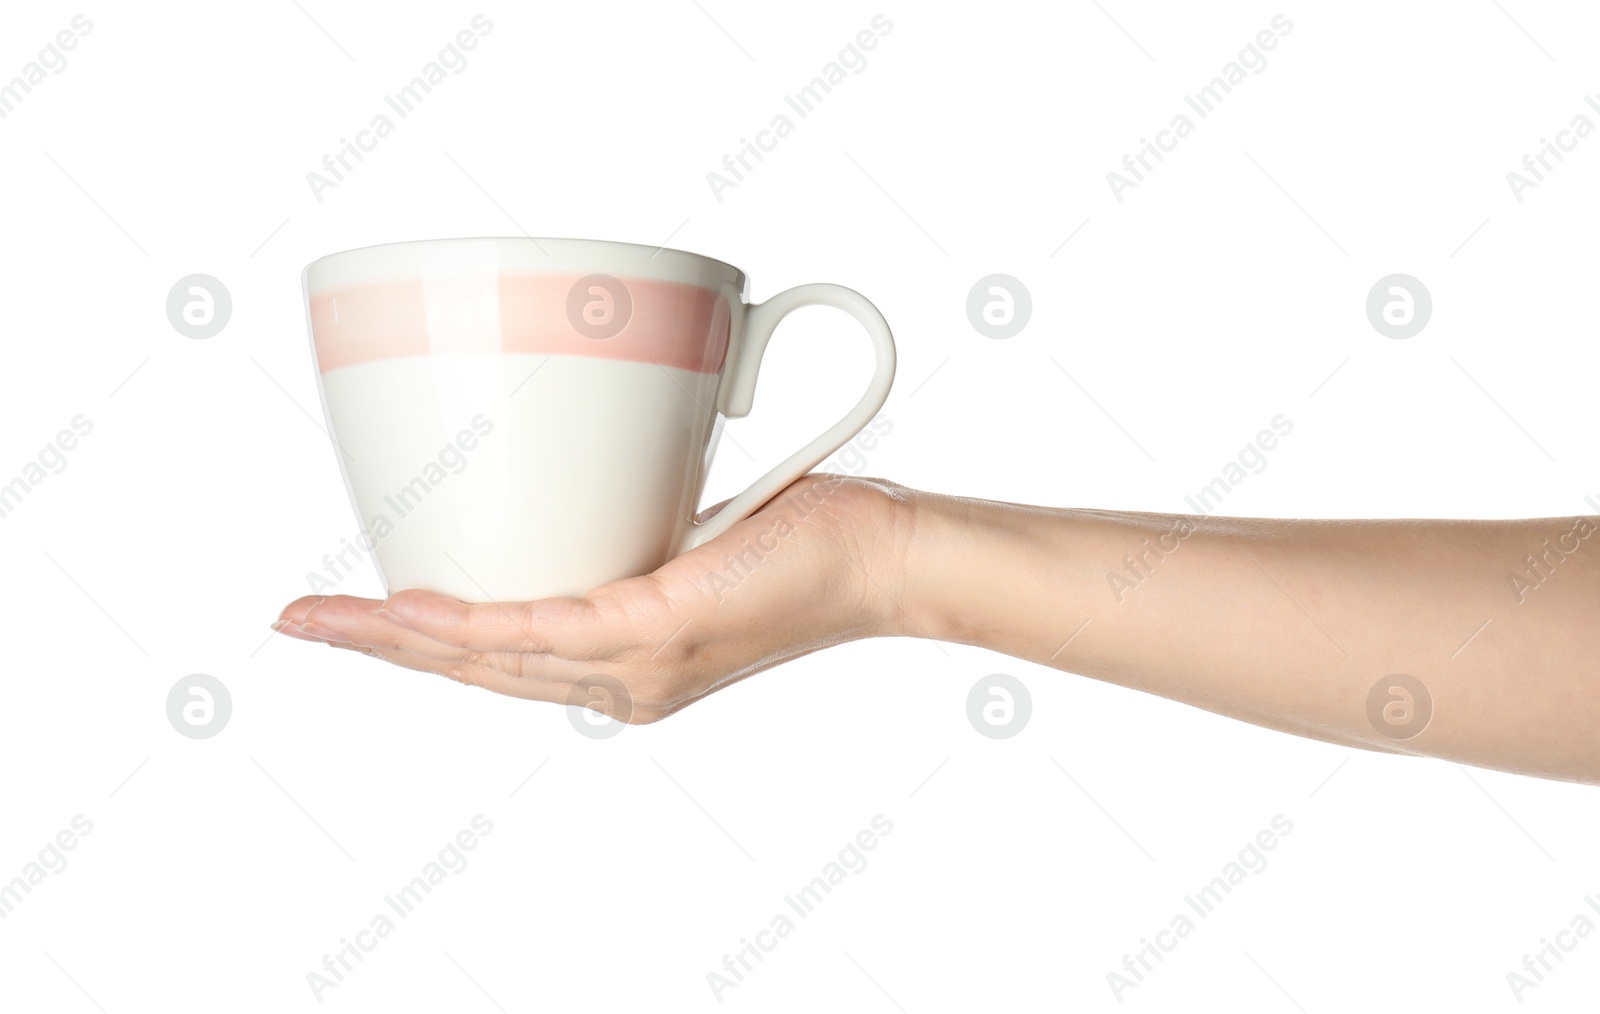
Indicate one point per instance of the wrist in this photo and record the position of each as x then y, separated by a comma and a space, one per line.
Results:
867, 526
975, 572
925, 532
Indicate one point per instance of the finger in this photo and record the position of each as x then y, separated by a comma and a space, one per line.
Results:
288, 629
362, 630
357, 621
346, 620
295, 613
474, 675
568, 628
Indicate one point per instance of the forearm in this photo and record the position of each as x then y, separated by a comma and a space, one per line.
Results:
1288, 624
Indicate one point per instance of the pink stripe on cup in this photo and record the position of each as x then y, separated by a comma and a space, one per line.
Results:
632, 319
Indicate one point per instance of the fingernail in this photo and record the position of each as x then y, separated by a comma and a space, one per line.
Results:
393, 617
288, 629
322, 633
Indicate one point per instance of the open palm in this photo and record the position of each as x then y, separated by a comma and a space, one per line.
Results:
802, 573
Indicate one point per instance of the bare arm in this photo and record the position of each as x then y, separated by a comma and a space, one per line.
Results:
1469, 640
1291, 624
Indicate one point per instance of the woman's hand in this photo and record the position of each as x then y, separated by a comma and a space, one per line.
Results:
814, 567
1397, 636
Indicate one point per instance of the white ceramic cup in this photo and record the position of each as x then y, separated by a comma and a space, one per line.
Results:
524, 418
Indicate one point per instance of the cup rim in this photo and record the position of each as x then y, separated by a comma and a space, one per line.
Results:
653, 251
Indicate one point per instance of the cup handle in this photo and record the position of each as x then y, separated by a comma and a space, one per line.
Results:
739, 387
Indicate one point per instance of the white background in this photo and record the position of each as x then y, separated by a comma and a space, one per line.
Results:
1228, 287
